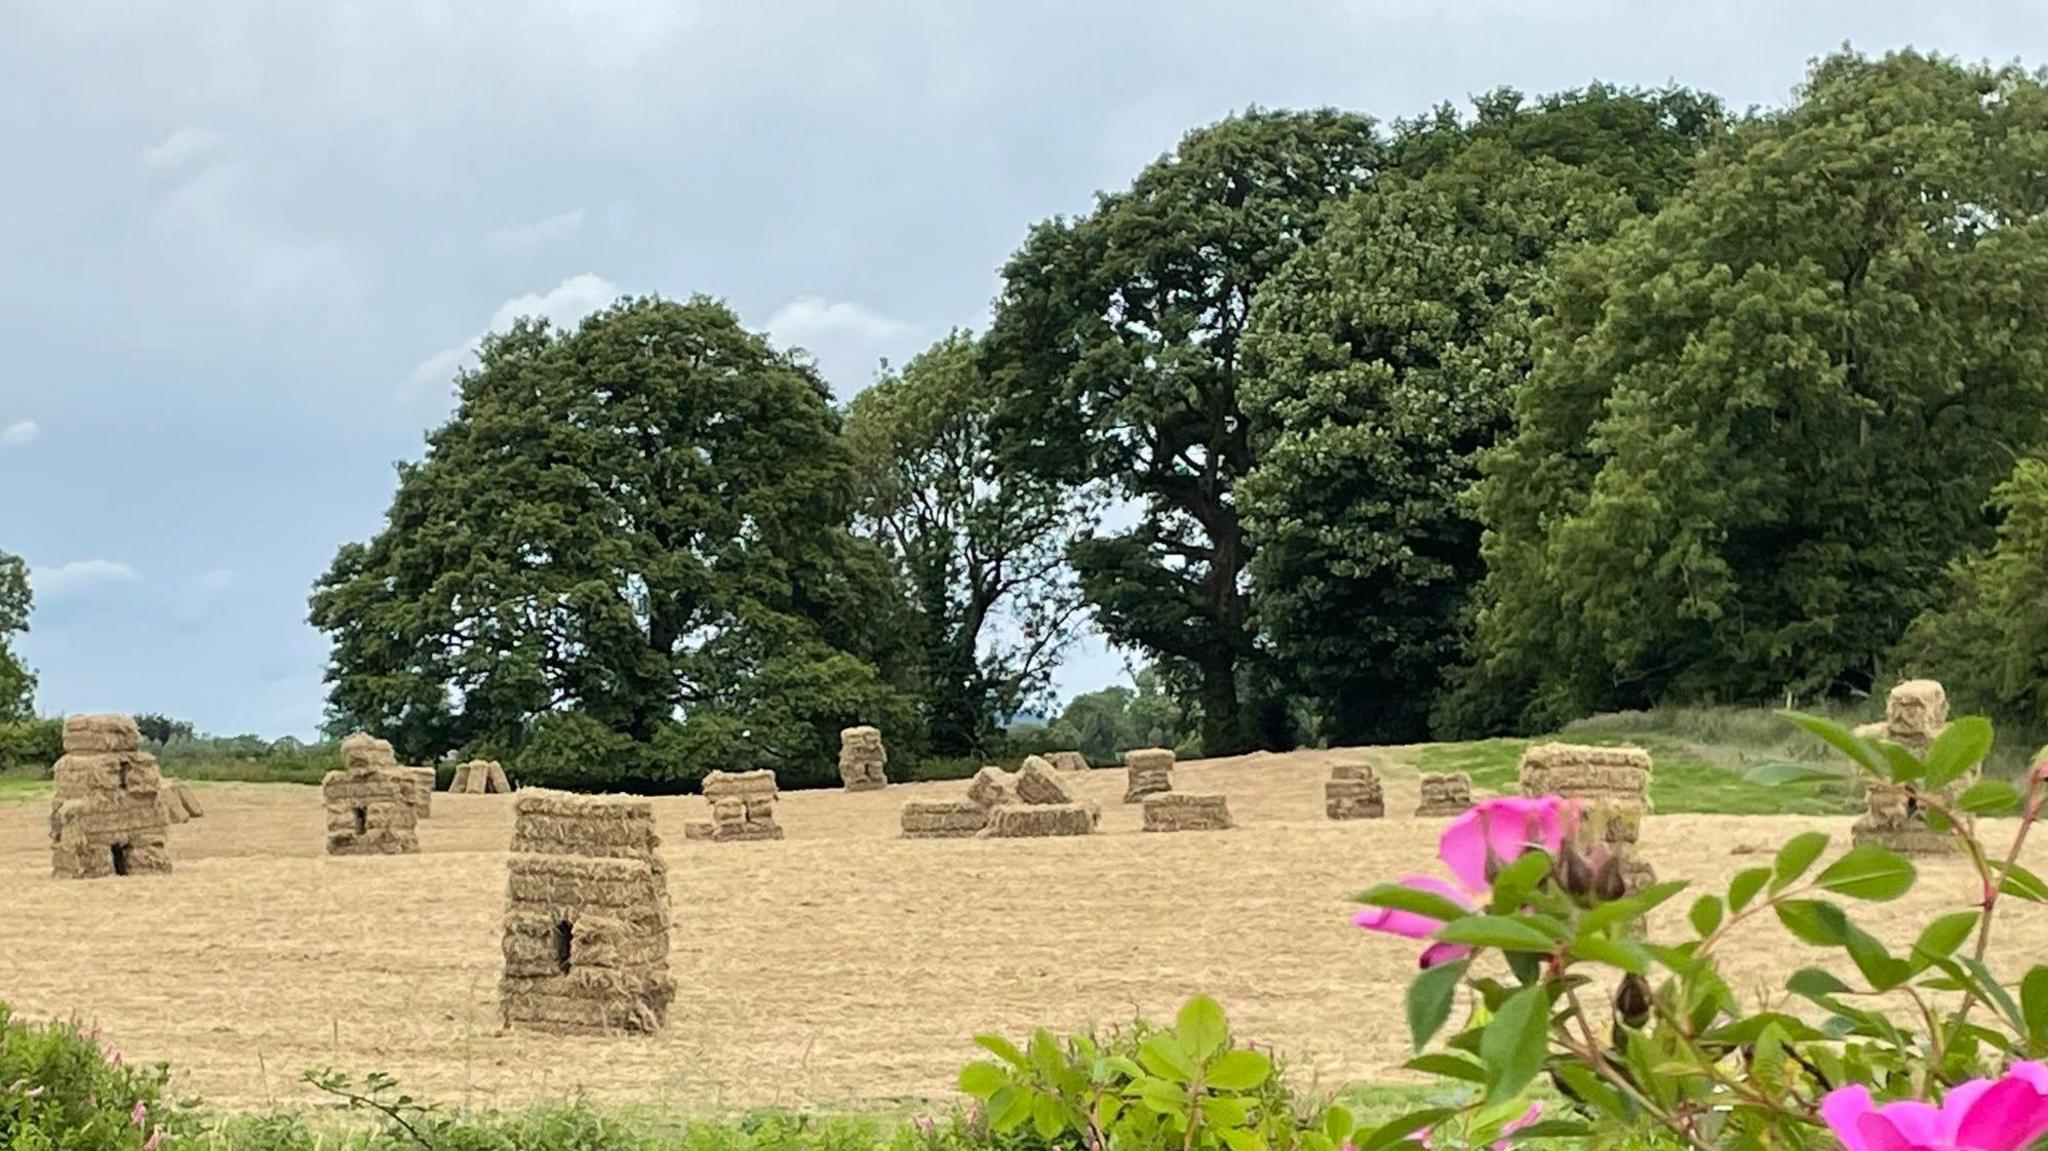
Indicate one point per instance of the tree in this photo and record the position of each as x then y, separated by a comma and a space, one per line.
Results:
1115, 347
979, 543
1115, 719
625, 560
17, 600
1385, 359
162, 728
1987, 641
1761, 424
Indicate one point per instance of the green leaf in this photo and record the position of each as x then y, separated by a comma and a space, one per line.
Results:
1939, 939
1399, 1128
1795, 857
1447, 1066
1625, 954
1008, 1108
1511, 887
1003, 1049
2034, 1003
1430, 996
1162, 1055
1905, 766
1045, 1054
982, 1080
1868, 872
2020, 883
1163, 1097
1401, 897
1202, 1028
1630, 907
1745, 885
1515, 1042
1780, 774
1047, 1116
1706, 914
1238, 1070
1593, 1090
1877, 964
1989, 797
1504, 932
1814, 921
1961, 746
1858, 749
1241, 1140
1226, 1110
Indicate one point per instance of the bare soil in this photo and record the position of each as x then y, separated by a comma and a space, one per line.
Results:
841, 966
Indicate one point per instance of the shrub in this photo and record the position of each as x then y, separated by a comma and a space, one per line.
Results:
60, 1089
32, 743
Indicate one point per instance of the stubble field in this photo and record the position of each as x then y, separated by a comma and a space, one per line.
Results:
840, 967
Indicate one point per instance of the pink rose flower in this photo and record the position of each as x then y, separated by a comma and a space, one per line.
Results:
156, 1136
1499, 830
1981, 1115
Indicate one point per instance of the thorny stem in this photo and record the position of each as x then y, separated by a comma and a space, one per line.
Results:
2030, 812
1591, 1054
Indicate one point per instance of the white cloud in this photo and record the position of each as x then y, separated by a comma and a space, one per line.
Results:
78, 575
537, 232
179, 148
806, 319
563, 306
20, 432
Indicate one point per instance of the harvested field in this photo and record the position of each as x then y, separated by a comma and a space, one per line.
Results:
844, 965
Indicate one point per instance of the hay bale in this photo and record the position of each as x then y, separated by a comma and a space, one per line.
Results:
101, 733
1179, 811
1916, 711
496, 782
188, 799
418, 784
460, 783
742, 806
943, 819
1037, 782
1147, 771
368, 813
585, 943
1581, 772
698, 829
1068, 761
173, 813
79, 773
548, 822
362, 750
992, 787
1353, 792
739, 784
476, 776
862, 759
1025, 821
1445, 794
108, 834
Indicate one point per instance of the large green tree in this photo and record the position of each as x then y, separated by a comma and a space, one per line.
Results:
627, 558
17, 599
979, 542
1762, 423
1116, 346
1385, 359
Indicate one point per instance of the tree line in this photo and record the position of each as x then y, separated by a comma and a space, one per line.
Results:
1355, 431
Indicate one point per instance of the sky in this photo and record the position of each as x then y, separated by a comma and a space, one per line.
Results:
244, 246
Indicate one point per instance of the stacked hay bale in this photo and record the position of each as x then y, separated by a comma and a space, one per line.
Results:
1914, 714
1353, 792
992, 787
418, 783
587, 917
862, 759
1179, 811
1445, 794
1612, 788
1044, 804
1068, 761
106, 817
480, 777
1147, 771
367, 809
742, 808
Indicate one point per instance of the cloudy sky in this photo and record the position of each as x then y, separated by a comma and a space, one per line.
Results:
243, 246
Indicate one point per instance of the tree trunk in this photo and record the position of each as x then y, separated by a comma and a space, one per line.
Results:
1222, 722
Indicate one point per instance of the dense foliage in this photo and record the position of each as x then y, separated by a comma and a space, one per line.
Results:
17, 682
60, 1089
625, 560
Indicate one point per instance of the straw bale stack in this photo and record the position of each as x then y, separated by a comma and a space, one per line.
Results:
1179, 811
586, 927
1445, 794
480, 777
862, 759
1017, 821
368, 812
1353, 791
1068, 761
1147, 771
943, 819
992, 787
107, 814
177, 797
1915, 713
1039, 783
419, 789
1611, 786
742, 806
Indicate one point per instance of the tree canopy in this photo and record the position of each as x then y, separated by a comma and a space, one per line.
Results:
17, 599
979, 542
1762, 422
1116, 345
626, 558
